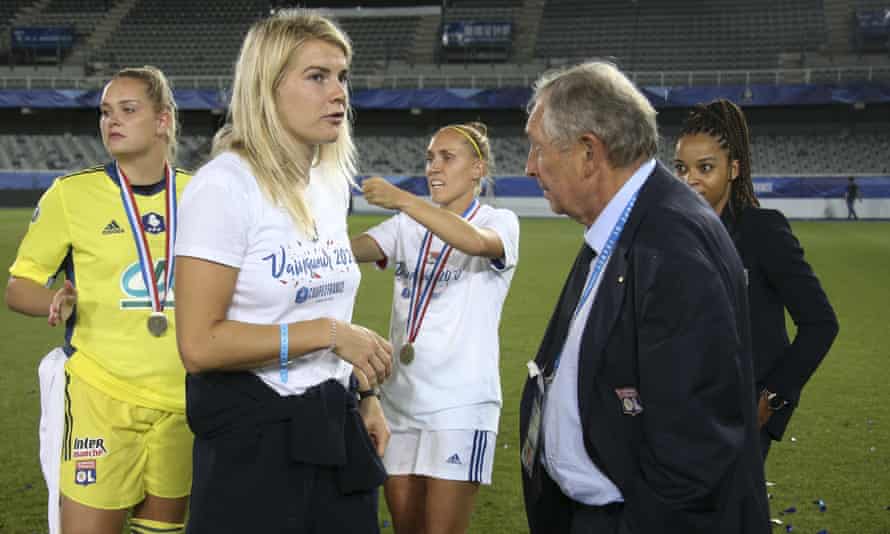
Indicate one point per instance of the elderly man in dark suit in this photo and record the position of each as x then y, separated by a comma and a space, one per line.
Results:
639, 415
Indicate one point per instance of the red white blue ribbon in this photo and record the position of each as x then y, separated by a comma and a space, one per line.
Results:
146, 264
422, 295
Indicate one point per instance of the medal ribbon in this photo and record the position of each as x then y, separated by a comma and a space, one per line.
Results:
420, 295
146, 265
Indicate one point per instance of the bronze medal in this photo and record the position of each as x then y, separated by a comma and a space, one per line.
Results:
421, 296
406, 355
157, 324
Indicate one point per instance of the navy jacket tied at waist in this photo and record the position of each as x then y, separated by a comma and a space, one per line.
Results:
323, 426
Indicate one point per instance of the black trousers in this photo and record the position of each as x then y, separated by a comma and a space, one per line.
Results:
557, 514
270, 464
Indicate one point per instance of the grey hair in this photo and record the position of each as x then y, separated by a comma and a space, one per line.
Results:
595, 97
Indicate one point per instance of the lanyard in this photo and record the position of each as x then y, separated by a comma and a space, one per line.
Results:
597, 269
146, 264
420, 295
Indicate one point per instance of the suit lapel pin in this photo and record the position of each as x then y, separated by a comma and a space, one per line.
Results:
630, 401
620, 279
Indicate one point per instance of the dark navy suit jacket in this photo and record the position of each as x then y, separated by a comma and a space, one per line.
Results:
671, 321
778, 278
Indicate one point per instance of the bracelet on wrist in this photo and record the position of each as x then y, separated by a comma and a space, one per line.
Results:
283, 351
332, 338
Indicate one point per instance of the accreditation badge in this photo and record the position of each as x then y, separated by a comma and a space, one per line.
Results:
529, 453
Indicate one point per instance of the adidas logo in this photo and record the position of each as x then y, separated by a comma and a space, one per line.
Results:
112, 228
453, 459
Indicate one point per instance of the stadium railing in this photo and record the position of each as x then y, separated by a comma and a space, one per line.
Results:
500, 79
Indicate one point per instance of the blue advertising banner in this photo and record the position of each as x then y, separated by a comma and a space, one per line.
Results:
874, 23
43, 38
28, 180
764, 187
468, 34
820, 187
506, 98
523, 186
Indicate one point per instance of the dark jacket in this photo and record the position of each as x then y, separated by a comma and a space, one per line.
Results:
779, 278
270, 463
670, 320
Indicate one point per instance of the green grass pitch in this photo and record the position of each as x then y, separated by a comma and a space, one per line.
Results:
837, 448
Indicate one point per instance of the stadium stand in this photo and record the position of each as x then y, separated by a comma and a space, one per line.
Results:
83, 15
812, 75
8, 9
840, 152
823, 153
872, 4
475, 12
67, 152
203, 39
688, 43
379, 40
515, 4
702, 42
348, 4
681, 34
200, 38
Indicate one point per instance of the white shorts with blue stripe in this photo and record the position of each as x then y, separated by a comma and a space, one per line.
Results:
464, 455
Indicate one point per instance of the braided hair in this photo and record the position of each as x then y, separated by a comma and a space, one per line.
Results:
725, 121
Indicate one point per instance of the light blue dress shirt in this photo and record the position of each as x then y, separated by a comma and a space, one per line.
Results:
564, 456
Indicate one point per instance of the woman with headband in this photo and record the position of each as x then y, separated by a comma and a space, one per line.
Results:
454, 261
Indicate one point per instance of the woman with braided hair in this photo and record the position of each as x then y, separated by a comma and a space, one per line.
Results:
713, 156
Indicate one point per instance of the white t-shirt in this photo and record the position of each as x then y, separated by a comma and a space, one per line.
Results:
453, 382
284, 275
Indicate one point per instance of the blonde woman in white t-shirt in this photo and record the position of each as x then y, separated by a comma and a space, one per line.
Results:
454, 260
266, 285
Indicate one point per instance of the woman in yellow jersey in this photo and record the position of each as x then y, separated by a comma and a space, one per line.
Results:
125, 443
267, 284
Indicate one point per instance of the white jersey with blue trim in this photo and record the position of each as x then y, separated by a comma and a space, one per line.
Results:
453, 382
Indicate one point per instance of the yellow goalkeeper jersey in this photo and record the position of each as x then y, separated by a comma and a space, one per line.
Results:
80, 228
